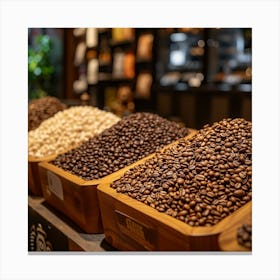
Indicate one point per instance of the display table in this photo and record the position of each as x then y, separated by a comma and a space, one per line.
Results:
48, 230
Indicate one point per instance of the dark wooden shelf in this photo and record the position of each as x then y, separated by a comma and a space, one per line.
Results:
124, 43
103, 32
105, 64
144, 61
122, 80
117, 80
180, 100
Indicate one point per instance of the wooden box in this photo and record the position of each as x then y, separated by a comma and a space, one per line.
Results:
130, 225
34, 183
75, 197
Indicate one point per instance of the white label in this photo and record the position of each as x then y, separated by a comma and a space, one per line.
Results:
55, 185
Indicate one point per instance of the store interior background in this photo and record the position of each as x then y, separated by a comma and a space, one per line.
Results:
195, 76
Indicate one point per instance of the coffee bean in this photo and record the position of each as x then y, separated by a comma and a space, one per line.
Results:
242, 175
214, 212
201, 221
182, 213
199, 177
244, 235
206, 212
204, 179
182, 192
192, 203
203, 192
220, 208
238, 185
239, 193
210, 194
186, 206
193, 218
139, 135
229, 203
238, 179
180, 181
42, 109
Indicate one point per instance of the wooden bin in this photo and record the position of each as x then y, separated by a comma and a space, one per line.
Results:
34, 183
130, 225
77, 198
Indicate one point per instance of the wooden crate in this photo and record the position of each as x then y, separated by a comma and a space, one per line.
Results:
34, 180
77, 198
130, 225
34, 183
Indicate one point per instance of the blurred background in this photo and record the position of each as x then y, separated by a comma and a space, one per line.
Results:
194, 76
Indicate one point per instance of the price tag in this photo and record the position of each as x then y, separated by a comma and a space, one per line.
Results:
55, 185
142, 234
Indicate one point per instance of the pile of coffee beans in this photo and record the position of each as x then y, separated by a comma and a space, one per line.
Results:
199, 181
244, 235
42, 109
68, 129
131, 139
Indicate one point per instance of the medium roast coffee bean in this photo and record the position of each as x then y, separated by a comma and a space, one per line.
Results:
203, 176
244, 235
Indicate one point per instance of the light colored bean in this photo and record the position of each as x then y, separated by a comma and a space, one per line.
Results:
68, 128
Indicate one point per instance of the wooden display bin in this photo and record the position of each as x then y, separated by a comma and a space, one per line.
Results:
74, 197
77, 198
34, 183
130, 225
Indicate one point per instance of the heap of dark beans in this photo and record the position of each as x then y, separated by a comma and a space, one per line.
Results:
131, 139
199, 181
244, 235
42, 109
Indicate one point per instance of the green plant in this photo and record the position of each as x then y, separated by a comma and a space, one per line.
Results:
40, 70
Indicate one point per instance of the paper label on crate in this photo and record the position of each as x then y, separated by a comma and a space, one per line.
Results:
54, 185
142, 234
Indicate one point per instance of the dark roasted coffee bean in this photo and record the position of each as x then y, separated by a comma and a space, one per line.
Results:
206, 212
126, 142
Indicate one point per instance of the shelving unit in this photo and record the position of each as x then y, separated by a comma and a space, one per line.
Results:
162, 69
